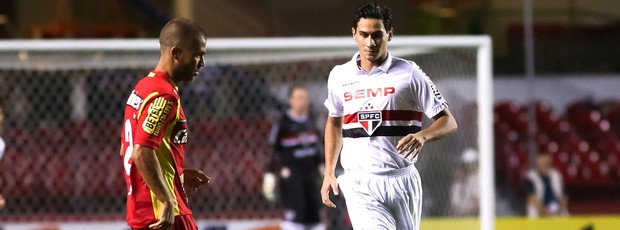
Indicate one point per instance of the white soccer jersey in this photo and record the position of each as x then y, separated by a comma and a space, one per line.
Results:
2, 147
378, 109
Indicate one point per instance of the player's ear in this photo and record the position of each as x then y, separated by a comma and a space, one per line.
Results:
175, 52
353, 32
390, 34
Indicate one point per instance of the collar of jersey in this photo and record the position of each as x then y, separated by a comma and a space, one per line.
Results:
384, 67
163, 75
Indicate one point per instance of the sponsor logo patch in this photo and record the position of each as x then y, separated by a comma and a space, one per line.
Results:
134, 100
180, 137
435, 90
157, 114
179, 132
368, 93
370, 120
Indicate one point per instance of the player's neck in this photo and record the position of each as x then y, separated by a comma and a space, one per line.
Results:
300, 114
161, 67
367, 65
544, 171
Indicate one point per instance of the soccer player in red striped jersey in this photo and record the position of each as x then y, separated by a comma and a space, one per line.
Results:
155, 133
376, 103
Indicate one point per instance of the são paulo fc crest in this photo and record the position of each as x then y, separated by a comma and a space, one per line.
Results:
370, 120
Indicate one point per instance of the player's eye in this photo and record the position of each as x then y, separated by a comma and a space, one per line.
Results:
377, 35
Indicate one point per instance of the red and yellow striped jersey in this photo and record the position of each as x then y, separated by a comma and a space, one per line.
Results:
154, 118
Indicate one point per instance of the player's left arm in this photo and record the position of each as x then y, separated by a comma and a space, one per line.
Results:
443, 125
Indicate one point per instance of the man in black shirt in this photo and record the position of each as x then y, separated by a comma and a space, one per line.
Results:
294, 164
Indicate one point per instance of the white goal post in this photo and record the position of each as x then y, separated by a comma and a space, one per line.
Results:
94, 54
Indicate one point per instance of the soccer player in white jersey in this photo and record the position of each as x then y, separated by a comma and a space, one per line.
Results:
376, 102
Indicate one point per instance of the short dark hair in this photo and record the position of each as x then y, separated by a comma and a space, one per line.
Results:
180, 32
374, 11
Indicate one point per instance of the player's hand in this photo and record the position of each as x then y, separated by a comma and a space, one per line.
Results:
269, 187
2, 202
329, 184
194, 178
411, 145
166, 219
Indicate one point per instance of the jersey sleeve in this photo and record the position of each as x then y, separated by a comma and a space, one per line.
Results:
274, 142
428, 97
154, 119
529, 187
333, 103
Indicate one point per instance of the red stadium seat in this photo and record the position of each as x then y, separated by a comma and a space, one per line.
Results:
506, 109
613, 116
570, 175
513, 115
56, 171
597, 176
547, 121
561, 158
607, 143
18, 173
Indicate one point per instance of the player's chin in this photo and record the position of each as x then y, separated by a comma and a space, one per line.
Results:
191, 76
371, 57
195, 74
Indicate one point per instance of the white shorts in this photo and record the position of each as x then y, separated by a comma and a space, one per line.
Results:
390, 200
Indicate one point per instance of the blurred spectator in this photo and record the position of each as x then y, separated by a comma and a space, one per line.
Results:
545, 189
465, 187
294, 164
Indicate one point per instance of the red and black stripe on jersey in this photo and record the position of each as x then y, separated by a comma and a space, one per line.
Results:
385, 129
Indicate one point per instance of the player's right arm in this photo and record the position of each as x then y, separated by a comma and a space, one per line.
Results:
532, 199
153, 117
146, 162
269, 178
333, 144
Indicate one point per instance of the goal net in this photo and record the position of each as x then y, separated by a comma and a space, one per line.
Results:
63, 103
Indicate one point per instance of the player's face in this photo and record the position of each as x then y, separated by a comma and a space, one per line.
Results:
372, 39
191, 60
299, 100
544, 161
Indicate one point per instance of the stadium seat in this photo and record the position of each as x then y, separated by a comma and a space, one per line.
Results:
583, 143
596, 175
546, 119
79, 131
570, 175
17, 172
607, 143
613, 116
513, 115
587, 120
56, 171
561, 158
506, 109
